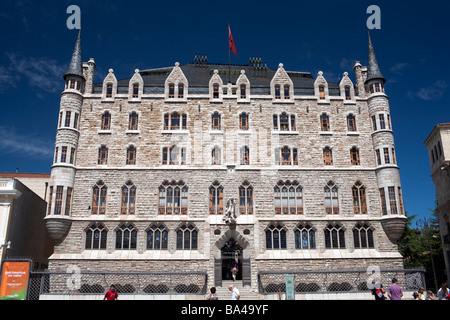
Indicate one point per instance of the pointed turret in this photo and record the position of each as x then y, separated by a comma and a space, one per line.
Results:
76, 65
373, 70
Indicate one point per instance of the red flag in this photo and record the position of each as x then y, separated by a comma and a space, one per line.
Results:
232, 45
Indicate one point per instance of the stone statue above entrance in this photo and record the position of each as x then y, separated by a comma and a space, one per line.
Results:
230, 216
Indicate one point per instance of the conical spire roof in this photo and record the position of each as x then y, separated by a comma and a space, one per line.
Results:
373, 70
76, 65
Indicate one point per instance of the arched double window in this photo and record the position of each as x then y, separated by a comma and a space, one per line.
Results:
216, 199
246, 198
99, 198
128, 199
359, 198
331, 198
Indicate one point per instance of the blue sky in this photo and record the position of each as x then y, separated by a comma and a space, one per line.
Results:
412, 49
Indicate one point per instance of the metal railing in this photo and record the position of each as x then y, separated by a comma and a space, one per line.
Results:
98, 283
271, 282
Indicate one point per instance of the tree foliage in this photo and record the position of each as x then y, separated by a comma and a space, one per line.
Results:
420, 244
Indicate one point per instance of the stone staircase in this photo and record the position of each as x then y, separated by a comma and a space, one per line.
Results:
246, 292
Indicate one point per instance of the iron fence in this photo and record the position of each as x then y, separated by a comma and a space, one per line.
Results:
98, 283
270, 282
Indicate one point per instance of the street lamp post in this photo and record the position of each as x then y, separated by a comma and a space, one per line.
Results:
425, 224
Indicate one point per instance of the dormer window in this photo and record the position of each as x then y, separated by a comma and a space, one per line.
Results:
348, 95
109, 89
181, 91
216, 91
287, 94
136, 90
277, 92
171, 91
322, 92
243, 91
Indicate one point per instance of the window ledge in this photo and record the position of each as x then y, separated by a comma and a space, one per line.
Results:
281, 101
104, 132
133, 132
326, 133
181, 132
285, 132
245, 132
216, 132
353, 133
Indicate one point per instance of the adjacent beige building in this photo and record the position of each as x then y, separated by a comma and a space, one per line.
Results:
23, 207
438, 146
187, 167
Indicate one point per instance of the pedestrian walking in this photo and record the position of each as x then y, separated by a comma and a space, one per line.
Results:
235, 294
395, 292
111, 294
443, 292
378, 291
212, 295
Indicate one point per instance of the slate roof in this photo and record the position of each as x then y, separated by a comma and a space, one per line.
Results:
199, 76
76, 65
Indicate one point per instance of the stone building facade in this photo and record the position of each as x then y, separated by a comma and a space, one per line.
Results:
186, 168
438, 147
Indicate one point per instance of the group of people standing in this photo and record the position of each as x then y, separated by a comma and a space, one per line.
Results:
395, 292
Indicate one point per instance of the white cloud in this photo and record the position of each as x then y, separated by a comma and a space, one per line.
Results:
29, 145
41, 73
399, 67
431, 93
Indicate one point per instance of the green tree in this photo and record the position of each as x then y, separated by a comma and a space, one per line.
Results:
421, 246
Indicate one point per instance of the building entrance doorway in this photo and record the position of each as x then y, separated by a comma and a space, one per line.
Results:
232, 256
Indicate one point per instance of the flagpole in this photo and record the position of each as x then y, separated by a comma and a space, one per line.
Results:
229, 55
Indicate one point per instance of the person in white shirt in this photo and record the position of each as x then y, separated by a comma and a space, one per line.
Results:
235, 294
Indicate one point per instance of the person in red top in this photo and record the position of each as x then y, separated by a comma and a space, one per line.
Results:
111, 294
